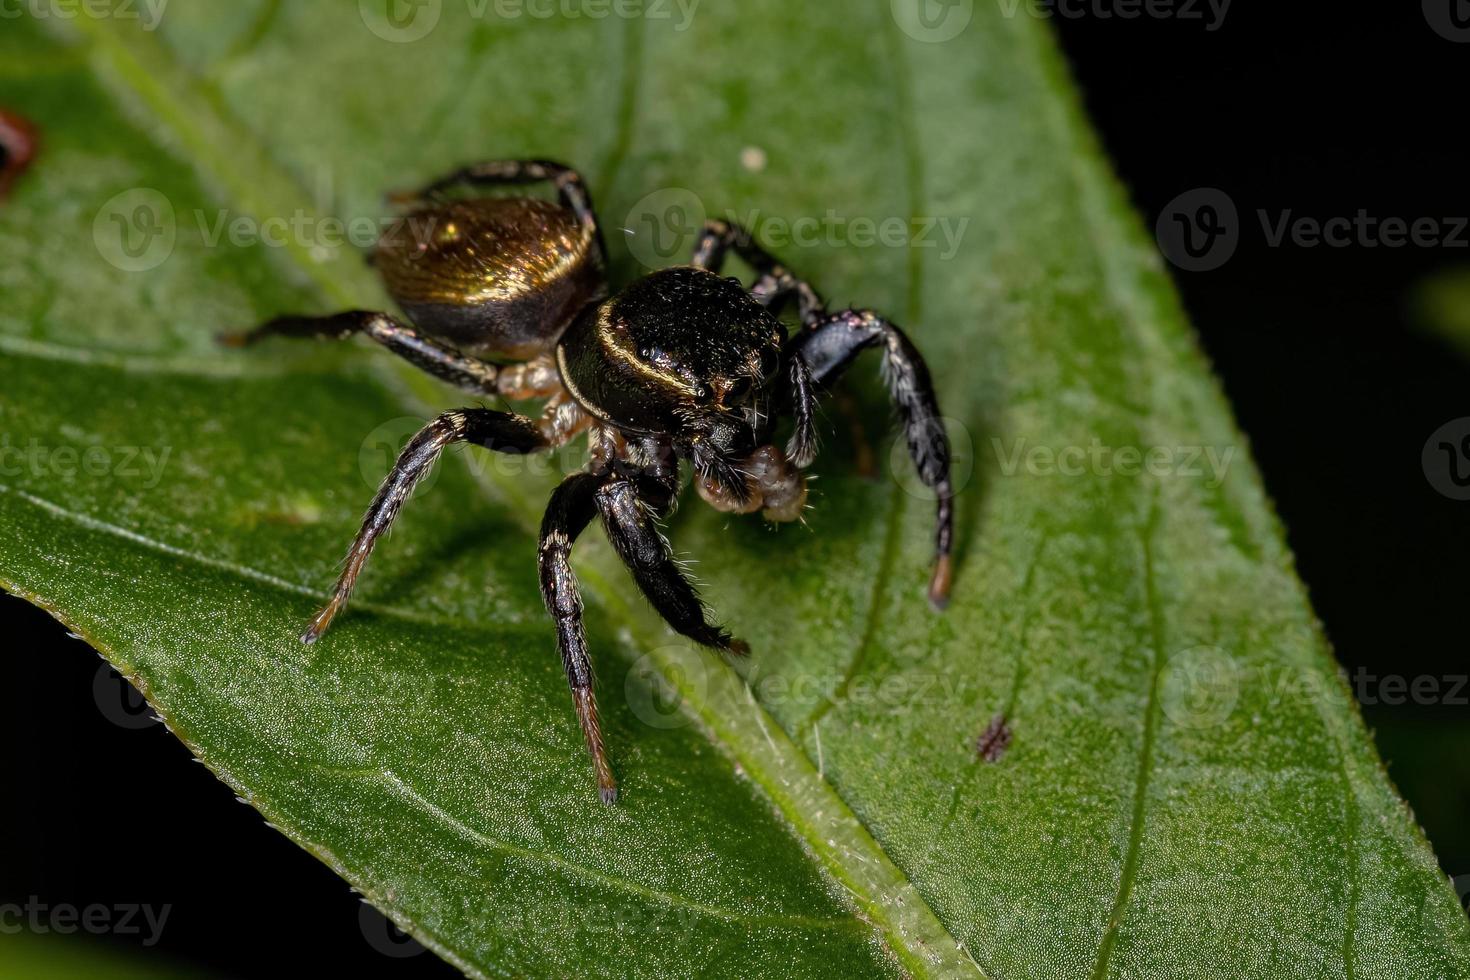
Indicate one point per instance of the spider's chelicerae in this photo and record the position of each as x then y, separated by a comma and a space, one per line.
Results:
509, 297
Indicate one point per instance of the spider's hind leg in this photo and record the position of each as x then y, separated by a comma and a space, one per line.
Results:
570, 187
464, 372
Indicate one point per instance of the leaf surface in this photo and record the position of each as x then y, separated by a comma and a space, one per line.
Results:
1188, 790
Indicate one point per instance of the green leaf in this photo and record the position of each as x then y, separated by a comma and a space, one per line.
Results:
1189, 790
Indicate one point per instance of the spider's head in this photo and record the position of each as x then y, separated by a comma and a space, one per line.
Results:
684, 353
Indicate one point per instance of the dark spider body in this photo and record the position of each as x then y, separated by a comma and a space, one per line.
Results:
682, 364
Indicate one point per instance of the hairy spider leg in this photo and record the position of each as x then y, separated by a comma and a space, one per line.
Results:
443, 362
827, 345
774, 288
776, 284
570, 510
830, 348
500, 431
627, 497
628, 520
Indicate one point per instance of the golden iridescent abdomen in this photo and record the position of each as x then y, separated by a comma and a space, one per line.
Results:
493, 276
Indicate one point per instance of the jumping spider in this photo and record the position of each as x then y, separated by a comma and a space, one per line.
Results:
682, 364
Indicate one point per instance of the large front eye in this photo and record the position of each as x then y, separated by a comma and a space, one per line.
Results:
770, 363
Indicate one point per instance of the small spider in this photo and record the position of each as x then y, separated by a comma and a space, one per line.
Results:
682, 364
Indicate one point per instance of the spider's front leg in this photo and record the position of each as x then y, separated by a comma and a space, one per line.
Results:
830, 347
570, 510
500, 431
643, 486
626, 497
628, 519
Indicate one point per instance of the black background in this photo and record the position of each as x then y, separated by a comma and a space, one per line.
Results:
1322, 112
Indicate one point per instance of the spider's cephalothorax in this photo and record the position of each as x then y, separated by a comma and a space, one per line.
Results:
682, 364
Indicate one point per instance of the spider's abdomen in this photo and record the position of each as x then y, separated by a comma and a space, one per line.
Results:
678, 340
495, 276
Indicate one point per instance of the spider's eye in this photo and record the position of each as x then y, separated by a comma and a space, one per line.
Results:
770, 363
